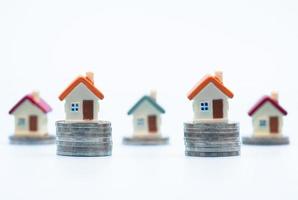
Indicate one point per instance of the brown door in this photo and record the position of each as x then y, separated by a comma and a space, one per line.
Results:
33, 123
152, 122
88, 109
217, 108
274, 125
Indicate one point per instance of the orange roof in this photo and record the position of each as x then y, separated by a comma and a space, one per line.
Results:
204, 82
87, 82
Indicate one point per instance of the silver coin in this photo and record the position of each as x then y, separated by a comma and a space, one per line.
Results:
212, 154
95, 129
82, 137
64, 123
85, 139
84, 152
97, 135
83, 144
88, 154
213, 146
236, 144
200, 133
212, 136
206, 126
206, 135
85, 148
94, 133
211, 130
85, 132
219, 149
212, 139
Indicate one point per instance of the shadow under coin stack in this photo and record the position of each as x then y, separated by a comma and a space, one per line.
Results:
211, 139
85, 139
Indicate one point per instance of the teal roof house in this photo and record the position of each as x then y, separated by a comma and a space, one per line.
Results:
147, 117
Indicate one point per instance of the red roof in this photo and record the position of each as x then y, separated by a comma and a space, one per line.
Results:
262, 101
204, 82
40, 103
87, 82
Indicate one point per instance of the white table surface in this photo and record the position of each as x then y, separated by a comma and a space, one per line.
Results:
35, 172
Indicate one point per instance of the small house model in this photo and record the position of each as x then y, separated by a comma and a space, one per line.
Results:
81, 124
267, 117
30, 115
210, 99
82, 99
147, 117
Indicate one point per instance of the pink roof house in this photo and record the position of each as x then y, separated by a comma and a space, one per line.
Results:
31, 116
267, 117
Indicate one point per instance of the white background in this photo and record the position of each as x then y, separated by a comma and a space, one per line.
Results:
134, 46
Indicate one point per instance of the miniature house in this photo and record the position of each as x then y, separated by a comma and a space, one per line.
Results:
210, 99
267, 117
31, 116
147, 117
82, 99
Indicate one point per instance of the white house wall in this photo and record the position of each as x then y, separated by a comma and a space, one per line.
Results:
25, 110
208, 94
264, 113
77, 95
143, 111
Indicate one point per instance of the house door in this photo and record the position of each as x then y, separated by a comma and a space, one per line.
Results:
33, 123
274, 125
217, 108
152, 123
88, 108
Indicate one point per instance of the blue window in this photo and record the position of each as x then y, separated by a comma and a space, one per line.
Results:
204, 106
140, 122
263, 123
75, 107
21, 122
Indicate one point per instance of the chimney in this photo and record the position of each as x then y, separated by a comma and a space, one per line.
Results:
274, 96
153, 94
219, 76
90, 76
35, 95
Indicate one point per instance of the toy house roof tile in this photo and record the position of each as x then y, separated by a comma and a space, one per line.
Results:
88, 83
204, 82
40, 103
150, 100
262, 101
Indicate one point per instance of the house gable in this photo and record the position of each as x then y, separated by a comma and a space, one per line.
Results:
146, 102
145, 109
81, 80
258, 107
40, 104
206, 81
267, 110
209, 93
27, 108
80, 92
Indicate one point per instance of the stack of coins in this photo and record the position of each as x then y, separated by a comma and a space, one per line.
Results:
86, 139
211, 139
